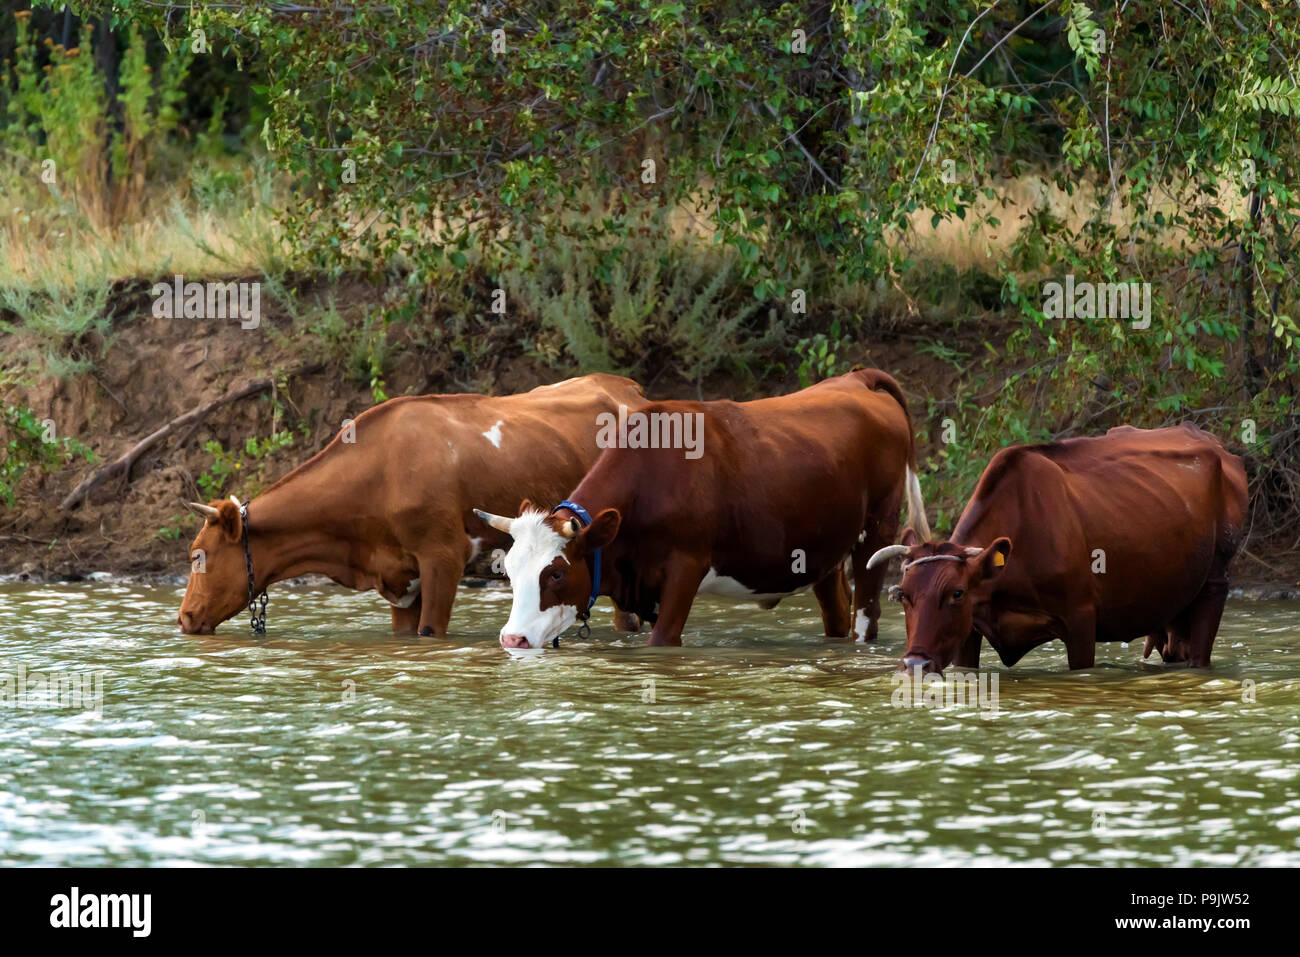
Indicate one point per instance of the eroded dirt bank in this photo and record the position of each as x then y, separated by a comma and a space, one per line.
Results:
154, 370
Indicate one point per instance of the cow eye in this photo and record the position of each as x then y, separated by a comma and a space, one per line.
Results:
957, 593
555, 575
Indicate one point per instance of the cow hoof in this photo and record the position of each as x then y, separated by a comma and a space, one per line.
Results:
426, 632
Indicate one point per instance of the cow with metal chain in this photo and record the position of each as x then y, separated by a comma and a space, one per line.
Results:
388, 504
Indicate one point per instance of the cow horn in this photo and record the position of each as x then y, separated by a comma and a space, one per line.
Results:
885, 554
499, 522
973, 550
207, 511
569, 529
236, 501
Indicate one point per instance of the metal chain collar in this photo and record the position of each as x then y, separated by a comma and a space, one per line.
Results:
256, 603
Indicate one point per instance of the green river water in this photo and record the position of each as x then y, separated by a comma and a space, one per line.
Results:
760, 742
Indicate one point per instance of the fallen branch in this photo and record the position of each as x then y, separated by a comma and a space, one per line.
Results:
122, 465
1273, 568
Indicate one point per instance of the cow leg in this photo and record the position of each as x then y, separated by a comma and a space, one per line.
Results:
1204, 615
626, 620
681, 583
866, 589
879, 529
406, 621
439, 576
833, 596
1081, 639
968, 655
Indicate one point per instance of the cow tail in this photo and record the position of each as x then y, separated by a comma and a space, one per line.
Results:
883, 382
916, 505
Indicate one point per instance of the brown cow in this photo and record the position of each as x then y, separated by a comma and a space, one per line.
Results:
780, 492
387, 504
1085, 540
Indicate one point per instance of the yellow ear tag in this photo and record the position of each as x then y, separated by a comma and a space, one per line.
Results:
999, 559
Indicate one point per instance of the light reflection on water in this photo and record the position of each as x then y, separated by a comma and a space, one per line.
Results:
333, 742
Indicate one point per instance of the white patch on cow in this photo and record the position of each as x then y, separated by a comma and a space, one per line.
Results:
536, 545
860, 624
493, 434
727, 587
412, 590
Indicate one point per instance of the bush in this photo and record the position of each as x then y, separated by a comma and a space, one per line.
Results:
27, 442
57, 117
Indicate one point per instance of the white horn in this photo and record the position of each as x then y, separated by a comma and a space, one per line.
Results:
885, 554
499, 522
973, 549
207, 511
236, 501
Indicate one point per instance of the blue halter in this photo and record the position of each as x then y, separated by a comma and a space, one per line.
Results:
585, 518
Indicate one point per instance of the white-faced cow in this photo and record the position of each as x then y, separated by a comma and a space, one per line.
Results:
388, 503
772, 500
1086, 540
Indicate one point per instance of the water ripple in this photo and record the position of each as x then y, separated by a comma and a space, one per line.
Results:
333, 742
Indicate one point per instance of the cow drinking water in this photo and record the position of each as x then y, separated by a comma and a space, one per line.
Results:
387, 504
1086, 540
772, 500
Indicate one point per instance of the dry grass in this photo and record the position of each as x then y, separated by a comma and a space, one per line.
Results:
188, 226
973, 244
219, 218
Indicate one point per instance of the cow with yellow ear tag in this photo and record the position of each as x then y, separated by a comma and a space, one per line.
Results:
1114, 538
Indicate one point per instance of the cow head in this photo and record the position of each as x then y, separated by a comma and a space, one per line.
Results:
942, 584
547, 567
218, 585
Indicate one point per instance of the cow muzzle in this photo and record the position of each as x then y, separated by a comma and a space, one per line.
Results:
911, 662
514, 641
192, 624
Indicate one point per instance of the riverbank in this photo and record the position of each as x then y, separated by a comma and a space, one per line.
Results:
323, 354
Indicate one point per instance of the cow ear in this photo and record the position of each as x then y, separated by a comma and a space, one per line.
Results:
525, 506
603, 528
993, 559
228, 520
910, 537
